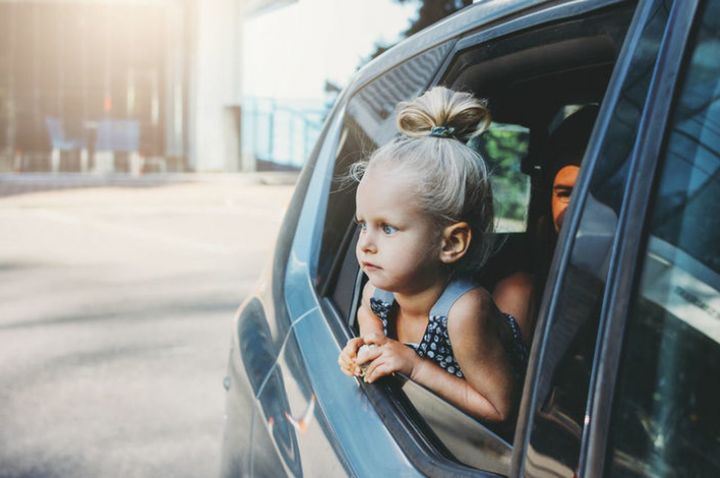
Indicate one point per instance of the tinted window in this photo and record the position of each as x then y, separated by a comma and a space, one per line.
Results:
562, 386
666, 419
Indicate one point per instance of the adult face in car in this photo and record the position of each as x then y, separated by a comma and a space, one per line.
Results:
566, 148
562, 188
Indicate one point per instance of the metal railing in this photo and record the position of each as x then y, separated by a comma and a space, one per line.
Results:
280, 134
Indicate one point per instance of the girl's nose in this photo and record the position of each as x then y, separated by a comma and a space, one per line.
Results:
366, 242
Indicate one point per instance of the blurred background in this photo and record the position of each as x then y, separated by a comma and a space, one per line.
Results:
182, 85
148, 150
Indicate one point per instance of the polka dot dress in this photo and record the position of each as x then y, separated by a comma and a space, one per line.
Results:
435, 343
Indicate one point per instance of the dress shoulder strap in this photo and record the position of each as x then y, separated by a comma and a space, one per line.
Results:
383, 295
454, 290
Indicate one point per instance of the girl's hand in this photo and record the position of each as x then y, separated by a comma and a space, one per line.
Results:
347, 362
388, 357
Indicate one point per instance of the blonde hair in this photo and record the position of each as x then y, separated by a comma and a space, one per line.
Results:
451, 179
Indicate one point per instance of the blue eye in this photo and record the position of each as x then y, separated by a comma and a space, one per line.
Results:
361, 224
388, 229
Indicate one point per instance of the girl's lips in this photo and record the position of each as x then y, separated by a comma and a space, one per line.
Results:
369, 266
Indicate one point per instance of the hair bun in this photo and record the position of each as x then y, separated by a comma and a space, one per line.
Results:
442, 107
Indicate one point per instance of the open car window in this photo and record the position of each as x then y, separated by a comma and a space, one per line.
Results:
369, 122
524, 98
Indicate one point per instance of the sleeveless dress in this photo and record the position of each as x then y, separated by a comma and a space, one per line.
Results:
435, 343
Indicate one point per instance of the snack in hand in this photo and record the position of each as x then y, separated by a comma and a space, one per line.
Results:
362, 351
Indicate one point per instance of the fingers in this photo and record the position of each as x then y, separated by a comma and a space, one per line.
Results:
368, 354
349, 352
373, 361
348, 367
346, 360
374, 339
379, 369
352, 346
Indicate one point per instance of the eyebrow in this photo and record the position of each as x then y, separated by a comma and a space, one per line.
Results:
384, 220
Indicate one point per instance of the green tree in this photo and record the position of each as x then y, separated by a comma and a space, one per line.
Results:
503, 147
429, 12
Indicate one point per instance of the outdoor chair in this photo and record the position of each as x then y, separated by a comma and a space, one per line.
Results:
117, 136
60, 143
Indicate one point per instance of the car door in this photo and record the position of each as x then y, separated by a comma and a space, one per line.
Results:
457, 444
566, 404
309, 423
657, 393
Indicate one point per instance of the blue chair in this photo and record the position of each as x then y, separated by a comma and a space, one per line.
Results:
117, 136
60, 143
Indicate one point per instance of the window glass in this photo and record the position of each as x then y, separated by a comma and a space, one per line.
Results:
666, 420
562, 388
468, 440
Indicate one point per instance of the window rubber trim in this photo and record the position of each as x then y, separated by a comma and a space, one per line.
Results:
629, 238
532, 17
566, 239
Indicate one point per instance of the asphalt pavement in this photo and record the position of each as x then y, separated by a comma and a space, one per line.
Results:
116, 302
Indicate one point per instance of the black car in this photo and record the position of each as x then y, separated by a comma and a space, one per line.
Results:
625, 358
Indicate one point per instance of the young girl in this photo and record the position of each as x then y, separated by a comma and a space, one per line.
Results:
424, 209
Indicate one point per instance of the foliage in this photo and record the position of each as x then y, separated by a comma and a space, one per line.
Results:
503, 147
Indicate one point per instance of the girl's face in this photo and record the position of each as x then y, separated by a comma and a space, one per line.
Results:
399, 246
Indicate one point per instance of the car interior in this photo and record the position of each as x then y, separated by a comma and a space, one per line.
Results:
532, 80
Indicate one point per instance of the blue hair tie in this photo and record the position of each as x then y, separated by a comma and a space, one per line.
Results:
442, 132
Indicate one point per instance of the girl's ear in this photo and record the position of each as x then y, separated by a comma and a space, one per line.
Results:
455, 242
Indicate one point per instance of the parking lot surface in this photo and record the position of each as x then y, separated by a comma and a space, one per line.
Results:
117, 300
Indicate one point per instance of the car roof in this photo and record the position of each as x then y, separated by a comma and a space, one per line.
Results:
473, 16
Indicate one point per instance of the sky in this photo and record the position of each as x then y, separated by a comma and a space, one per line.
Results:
290, 52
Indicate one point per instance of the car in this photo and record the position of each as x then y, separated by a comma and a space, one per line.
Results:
624, 362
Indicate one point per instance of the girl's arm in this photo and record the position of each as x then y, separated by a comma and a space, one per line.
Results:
515, 295
369, 324
474, 329
487, 390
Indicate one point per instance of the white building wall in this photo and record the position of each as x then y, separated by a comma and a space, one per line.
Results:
280, 49
215, 83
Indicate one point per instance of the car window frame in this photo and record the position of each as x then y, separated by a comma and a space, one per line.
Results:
386, 397
566, 240
625, 262
623, 266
